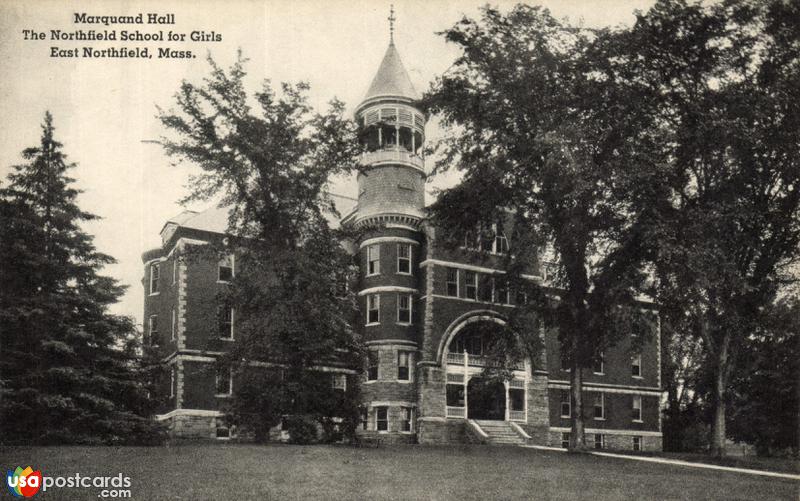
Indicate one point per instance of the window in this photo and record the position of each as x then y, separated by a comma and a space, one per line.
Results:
404, 308
225, 315
373, 309
373, 259
173, 327
486, 289
224, 381
225, 273
404, 259
599, 364
452, 282
455, 395
599, 441
364, 418
153, 329
372, 366
382, 418
403, 363
637, 408
500, 243
154, 277
175, 265
565, 440
501, 291
224, 432
516, 399
636, 365
637, 443
407, 419
599, 407
566, 404
470, 285
565, 362
339, 382
172, 381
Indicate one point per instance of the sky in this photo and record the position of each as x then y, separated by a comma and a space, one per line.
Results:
105, 109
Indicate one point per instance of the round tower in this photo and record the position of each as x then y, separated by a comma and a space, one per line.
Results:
391, 201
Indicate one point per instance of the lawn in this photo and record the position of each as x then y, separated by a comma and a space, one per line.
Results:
233, 471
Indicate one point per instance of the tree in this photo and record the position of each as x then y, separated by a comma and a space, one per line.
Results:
726, 80
271, 165
765, 400
71, 372
538, 128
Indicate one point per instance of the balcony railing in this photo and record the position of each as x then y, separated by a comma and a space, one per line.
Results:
400, 156
475, 360
516, 416
458, 412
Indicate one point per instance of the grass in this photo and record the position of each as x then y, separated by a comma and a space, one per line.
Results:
240, 471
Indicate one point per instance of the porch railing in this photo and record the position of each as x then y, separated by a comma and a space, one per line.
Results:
475, 360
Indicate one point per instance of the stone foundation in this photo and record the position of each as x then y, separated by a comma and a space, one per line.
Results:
615, 441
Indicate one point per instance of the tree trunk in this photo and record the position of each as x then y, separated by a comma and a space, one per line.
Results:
577, 438
720, 387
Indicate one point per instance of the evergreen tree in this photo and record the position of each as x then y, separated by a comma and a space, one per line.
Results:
271, 167
70, 372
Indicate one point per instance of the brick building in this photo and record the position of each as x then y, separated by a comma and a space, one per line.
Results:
426, 313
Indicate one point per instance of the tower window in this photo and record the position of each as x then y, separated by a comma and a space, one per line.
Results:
404, 308
407, 421
404, 259
153, 329
154, 278
373, 309
382, 418
403, 364
373, 259
372, 366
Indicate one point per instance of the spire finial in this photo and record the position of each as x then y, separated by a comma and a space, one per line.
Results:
392, 19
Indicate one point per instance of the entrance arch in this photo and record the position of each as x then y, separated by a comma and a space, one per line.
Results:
486, 399
463, 351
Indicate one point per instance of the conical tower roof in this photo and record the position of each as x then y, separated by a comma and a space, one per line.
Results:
392, 79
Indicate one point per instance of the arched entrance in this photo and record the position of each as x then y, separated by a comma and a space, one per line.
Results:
469, 394
486, 399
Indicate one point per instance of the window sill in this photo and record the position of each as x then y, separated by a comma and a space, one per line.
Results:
383, 432
229, 339
403, 381
370, 381
565, 417
599, 419
599, 373
154, 293
637, 377
409, 274
405, 324
223, 395
223, 282
637, 421
372, 324
406, 432
372, 275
